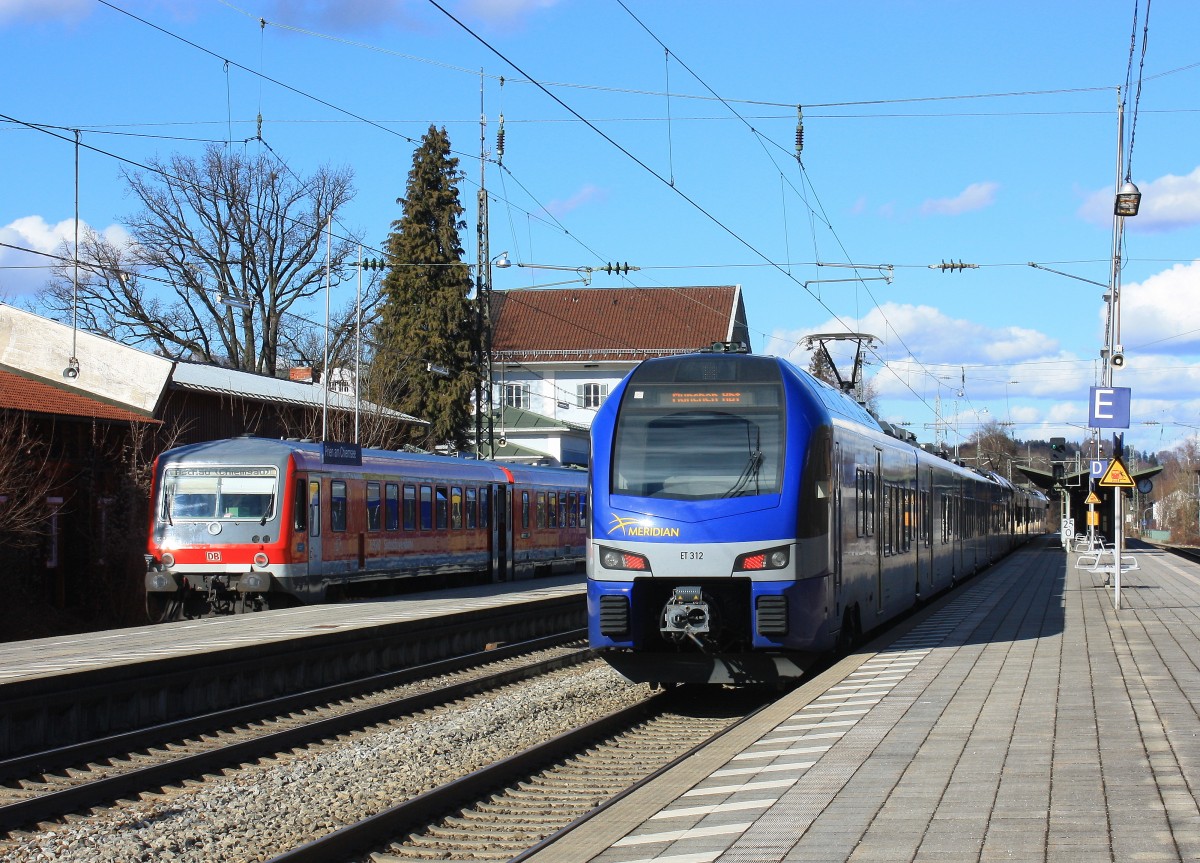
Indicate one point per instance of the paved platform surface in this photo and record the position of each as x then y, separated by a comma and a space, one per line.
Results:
45, 657
1024, 718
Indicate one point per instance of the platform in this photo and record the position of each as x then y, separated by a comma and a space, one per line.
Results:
1021, 718
44, 657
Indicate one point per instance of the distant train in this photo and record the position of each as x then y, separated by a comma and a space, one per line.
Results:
747, 518
251, 523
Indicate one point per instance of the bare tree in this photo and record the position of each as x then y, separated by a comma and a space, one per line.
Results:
223, 249
27, 476
993, 447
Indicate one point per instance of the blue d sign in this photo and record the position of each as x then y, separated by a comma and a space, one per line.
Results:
1108, 408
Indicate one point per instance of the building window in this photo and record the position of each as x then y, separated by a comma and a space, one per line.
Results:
516, 395
591, 395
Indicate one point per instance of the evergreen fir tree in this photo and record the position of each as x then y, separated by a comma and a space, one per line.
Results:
427, 317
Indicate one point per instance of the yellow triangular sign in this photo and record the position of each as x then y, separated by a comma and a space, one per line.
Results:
1092, 498
1117, 475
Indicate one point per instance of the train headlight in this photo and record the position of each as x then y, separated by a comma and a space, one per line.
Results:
168, 559
771, 558
261, 559
611, 558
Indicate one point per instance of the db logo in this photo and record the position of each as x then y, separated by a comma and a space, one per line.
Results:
213, 556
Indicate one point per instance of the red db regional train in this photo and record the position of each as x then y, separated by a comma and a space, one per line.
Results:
253, 523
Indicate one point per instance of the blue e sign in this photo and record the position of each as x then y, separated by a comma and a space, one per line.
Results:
1108, 408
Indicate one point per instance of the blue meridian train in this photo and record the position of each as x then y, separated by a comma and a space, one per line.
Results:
748, 518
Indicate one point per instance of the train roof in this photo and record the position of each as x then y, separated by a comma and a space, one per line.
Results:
308, 454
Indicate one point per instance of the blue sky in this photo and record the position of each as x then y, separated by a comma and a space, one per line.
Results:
981, 132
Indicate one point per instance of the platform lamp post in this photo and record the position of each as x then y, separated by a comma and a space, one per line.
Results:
1128, 200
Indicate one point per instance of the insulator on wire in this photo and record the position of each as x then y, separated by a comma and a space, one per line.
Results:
799, 131
953, 266
500, 142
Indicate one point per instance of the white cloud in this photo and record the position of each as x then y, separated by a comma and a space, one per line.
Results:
934, 337
1161, 315
585, 195
68, 11
1168, 203
505, 10
975, 197
342, 15
23, 272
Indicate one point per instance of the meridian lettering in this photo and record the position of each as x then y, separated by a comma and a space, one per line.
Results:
650, 531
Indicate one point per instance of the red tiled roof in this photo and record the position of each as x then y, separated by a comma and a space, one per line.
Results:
36, 396
611, 323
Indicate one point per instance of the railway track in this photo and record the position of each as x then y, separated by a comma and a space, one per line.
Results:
49, 785
510, 808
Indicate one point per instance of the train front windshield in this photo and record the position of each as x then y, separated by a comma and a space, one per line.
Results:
700, 440
219, 493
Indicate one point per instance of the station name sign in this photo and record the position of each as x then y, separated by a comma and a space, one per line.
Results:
349, 454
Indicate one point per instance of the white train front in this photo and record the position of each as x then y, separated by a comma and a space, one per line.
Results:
747, 518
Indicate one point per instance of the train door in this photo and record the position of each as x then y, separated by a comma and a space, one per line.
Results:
880, 530
503, 568
835, 478
314, 527
925, 540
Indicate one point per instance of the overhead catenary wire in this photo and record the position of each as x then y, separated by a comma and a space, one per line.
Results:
752, 265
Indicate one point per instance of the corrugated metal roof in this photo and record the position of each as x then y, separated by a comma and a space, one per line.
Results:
612, 323
215, 379
21, 393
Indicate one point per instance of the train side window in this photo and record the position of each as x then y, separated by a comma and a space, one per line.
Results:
583, 510
300, 505
426, 507
441, 511
374, 507
524, 510
472, 521
391, 506
485, 509
552, 509
541, 509
562, 509
865, 493
337, 505
410, 507
572, 511
314, 507
456, 498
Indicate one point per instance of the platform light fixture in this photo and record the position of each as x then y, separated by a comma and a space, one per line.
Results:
232, 302
1129, 199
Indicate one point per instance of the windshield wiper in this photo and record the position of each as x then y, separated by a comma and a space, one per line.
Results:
753, 465
749, 474
270, 511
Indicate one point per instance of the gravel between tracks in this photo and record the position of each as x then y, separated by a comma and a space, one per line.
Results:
261, 810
